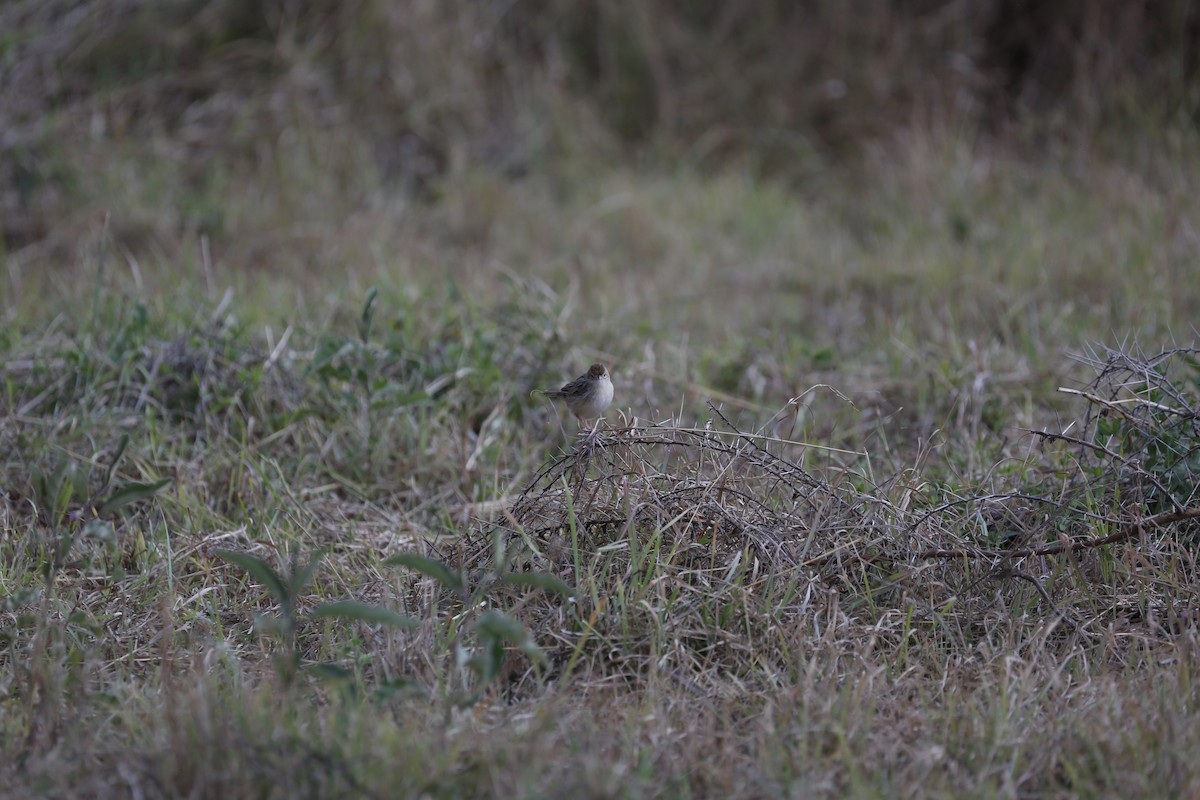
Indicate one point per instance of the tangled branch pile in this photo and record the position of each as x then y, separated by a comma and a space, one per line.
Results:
721, 546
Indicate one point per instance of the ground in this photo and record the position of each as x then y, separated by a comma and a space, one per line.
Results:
282, 517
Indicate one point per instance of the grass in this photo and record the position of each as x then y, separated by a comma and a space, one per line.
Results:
281, 518
740, 611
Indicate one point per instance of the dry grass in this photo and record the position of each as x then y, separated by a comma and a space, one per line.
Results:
694, 610
267, 530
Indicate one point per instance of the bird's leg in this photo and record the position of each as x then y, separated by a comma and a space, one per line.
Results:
594, 431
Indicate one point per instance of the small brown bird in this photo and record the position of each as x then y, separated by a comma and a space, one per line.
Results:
588, 395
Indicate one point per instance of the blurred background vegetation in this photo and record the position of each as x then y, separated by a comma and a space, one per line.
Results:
263, 125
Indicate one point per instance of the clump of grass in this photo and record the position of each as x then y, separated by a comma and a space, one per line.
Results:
692, 548
1144, 424
723, 597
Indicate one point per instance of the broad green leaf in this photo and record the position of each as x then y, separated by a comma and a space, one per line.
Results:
259, 570
488, 659
427, 566
132, 492
363, 612
540, 580
330, 672
497, 626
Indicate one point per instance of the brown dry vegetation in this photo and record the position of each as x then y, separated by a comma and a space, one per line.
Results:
280, 517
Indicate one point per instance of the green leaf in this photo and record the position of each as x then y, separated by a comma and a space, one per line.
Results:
266, 625
303, 575
82, 621
337, 676
325, 363
427, 566
130, 493
397, 686
277, 422
18, 599
540, 580
259, 570
330, 672
368, 314
354, 611
487, 661
497, 626
116, 459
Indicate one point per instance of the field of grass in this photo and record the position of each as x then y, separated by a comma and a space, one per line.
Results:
281, 517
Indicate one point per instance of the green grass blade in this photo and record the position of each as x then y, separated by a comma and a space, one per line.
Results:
131, 493
540, 580
427, 566
354, 611
259, 570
